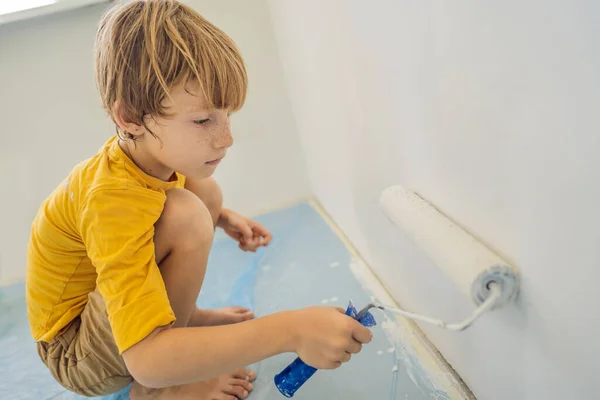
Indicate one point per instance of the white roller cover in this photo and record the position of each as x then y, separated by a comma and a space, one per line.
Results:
464, 259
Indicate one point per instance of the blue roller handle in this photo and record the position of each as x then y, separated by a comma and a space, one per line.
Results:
297, 373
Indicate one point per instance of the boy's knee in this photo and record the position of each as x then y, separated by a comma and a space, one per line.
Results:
185, 219
210, 193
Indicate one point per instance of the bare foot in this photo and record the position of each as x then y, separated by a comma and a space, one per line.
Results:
222, 316
233, 386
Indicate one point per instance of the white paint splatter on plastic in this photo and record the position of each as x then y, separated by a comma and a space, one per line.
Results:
266, 268
409, 359
395, 368
411, 376
396, 335
324, 301
334, 264
333, 299
379, 352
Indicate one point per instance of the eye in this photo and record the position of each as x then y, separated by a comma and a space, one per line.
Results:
201, 121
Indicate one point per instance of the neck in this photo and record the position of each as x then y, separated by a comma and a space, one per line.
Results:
144, 161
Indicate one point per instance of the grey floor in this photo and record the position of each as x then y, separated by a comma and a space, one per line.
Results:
305, 265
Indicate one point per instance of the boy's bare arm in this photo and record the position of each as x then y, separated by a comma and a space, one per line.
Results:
323, 336
250, 234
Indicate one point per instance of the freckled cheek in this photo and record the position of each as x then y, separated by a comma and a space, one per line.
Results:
197, 152
212, 135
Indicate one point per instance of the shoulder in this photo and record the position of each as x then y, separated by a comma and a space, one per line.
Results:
122, 198
113, 219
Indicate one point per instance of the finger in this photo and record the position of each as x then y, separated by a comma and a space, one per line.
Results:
346, 357
238, 391
267, 238
251, 376
254, 243
243, 383
250, 243
354, 347
246, 247
239, 388
334, 365
246, 231
247, 316
361, 334
256, 239
262, 241
227, 397
247, 243
243, 317
242, 373
259, 228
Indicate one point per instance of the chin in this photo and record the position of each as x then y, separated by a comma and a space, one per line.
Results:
201, 174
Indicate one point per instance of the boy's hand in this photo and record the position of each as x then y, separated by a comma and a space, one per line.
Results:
326, 337
250, 234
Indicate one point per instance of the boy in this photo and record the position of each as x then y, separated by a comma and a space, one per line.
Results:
118, 251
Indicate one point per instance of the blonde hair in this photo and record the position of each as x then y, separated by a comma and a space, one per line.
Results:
146, 47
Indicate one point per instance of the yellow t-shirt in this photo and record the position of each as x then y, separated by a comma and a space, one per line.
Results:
96, 230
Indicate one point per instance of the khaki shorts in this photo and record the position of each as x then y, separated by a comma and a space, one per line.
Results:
84, 357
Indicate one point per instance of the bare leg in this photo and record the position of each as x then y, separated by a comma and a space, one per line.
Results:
182, 239
211, 195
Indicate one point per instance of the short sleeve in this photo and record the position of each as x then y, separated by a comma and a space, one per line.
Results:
117, 228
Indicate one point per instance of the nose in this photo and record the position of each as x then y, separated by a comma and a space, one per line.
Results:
224, 139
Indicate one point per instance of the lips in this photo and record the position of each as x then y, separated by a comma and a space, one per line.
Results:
214, 162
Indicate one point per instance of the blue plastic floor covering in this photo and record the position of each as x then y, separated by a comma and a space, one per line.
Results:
305, 265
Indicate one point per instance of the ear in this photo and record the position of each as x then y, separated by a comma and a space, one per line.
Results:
124, 121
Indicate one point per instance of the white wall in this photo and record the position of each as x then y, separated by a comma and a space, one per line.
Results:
51, 117
489, 111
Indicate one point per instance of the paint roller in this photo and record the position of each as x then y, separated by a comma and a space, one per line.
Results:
479, 273
476, 270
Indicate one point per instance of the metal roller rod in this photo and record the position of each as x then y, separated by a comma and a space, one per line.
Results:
495, 294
